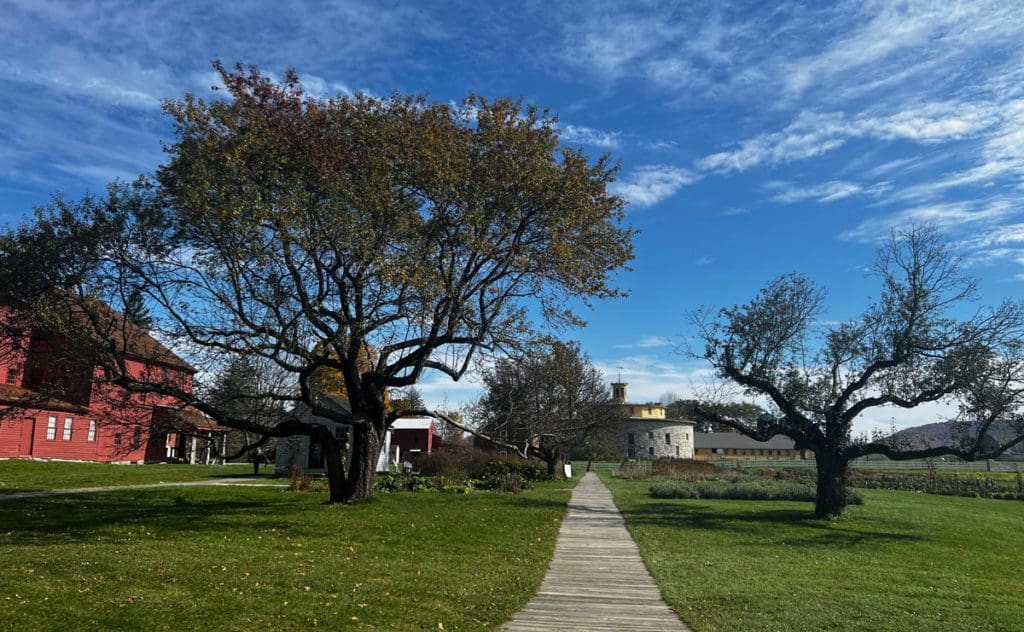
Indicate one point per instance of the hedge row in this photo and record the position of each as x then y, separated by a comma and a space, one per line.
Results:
755, 489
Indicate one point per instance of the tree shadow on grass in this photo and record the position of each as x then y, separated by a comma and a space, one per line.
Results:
55, 519
795, 526
201, 511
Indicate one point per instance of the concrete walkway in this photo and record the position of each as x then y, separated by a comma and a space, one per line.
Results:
220, 482
597, 580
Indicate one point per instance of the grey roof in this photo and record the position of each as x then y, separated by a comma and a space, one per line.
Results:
302, 413
734, 440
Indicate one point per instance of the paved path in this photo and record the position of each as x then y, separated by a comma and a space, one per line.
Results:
219, 482
597, 580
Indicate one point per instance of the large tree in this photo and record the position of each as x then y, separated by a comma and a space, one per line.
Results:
302, 231
548, 400
922, 341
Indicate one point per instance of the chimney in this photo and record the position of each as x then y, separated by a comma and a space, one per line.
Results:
619, 392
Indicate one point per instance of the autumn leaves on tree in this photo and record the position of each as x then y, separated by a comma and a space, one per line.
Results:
306, 232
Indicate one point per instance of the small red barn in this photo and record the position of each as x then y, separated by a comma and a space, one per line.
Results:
415, 434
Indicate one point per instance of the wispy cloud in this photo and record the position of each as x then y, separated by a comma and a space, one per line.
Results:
649, 184
953, 215
647, 342
589, 136
790, 52
788, 193
813, 134
703, 261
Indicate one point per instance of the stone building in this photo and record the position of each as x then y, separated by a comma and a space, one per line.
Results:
645, 432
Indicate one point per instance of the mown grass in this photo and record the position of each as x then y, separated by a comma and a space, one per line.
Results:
24, 476
902, 561
267, 559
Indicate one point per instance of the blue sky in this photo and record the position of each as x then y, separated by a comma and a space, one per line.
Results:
754, 139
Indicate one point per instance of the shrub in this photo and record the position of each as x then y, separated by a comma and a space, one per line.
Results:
501, 481
393, 482
528, 471
633, 470
451, 461
677, 468
507, 482
463, 462
299, 481
764, 489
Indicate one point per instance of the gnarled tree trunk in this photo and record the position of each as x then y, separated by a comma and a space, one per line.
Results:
335, 467
833, 495
362, 472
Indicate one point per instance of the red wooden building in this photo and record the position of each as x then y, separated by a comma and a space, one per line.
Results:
415, 435
57, 406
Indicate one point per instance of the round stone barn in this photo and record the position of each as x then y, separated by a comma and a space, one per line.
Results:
645, 432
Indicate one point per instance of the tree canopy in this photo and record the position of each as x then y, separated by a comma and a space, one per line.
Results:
299, 231
922, 341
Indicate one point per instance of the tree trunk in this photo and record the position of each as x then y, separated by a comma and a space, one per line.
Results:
832, 493
362, 472
551, 458
335, 467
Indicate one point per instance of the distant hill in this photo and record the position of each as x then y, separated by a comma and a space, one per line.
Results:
939, 434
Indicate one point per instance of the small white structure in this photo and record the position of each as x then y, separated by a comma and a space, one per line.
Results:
299, 451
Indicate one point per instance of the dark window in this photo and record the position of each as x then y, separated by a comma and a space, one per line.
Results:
137, 439
677, 450
631, 438
668, 438
650, 450
12, 375
316, 455
117, 439
650, 435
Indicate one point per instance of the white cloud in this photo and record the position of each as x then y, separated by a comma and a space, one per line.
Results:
791, 52
574, 134
703, 261
825, 192
895, 28
649, 184
647, 342
950, 216
813, 134
134, 56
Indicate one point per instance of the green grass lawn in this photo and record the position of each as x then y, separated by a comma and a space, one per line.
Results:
902, 561
267, 559
23, 476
